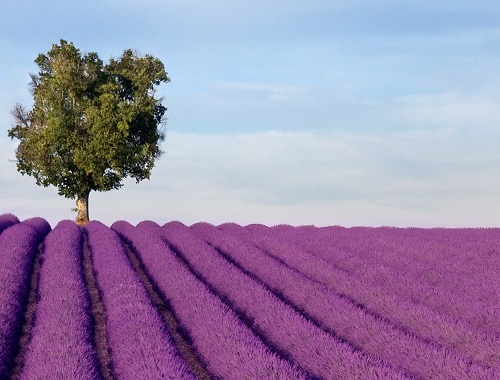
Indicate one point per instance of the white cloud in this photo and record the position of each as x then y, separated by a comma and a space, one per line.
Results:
304, 178
449, 109
404, 179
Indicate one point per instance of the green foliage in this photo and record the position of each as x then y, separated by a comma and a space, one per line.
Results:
91, 124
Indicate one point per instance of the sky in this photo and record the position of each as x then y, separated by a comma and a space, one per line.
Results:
325, 112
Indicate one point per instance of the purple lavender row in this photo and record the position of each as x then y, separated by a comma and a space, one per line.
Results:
351, 250
18, 247
476, 248
318, 352
415, 318
141, 347
61, 338
467, 255
7, 220
465, 265
456, 260
40, 225
353, 255
228, 348
371, 333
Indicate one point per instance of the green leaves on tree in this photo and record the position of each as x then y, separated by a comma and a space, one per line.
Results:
91, 124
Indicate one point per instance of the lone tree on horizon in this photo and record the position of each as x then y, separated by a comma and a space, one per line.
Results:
91, 124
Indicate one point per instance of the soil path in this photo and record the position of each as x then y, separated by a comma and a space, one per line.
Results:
98, 315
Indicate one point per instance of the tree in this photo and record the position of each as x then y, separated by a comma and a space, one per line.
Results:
91, 124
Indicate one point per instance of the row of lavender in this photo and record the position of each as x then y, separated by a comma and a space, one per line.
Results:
274, 282
447, 280
288, 332
463, 263
226, 345
254, 302
366, 329
368, 285
18, 249
61, 342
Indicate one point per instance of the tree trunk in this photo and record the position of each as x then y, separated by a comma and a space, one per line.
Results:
82, 205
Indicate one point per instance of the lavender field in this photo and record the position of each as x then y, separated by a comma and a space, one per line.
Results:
247, 302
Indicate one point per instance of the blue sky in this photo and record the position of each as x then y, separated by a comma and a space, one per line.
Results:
320, 112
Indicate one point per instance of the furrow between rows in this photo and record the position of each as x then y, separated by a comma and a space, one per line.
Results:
101, 342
